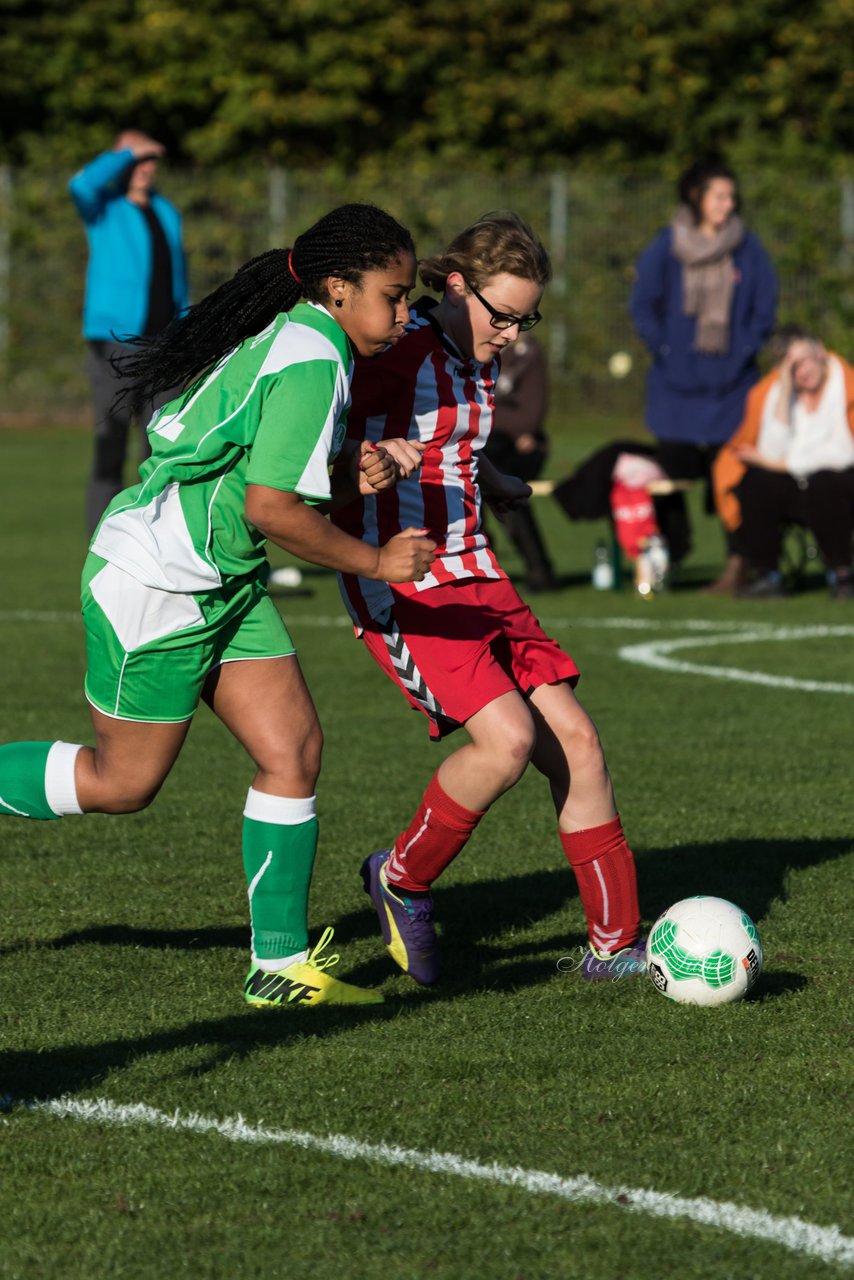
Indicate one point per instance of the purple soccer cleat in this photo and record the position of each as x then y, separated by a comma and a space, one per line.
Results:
406, 921
628, 963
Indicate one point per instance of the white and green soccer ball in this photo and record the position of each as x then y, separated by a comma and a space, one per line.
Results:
703, 950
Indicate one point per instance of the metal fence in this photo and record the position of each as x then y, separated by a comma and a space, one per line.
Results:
595, 225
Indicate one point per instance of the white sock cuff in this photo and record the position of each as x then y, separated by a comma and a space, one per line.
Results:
280, 810
59, 789
285, 962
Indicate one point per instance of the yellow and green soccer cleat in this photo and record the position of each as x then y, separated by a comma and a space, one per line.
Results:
305, 982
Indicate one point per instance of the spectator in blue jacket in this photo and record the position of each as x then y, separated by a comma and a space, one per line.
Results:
136, 282
704, 303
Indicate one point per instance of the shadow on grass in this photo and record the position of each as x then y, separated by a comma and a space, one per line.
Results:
482, 909
770, 986
471, 963
473, 919
27, 1076
128, 935
751, 873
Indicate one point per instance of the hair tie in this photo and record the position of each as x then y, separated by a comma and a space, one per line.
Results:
291, 267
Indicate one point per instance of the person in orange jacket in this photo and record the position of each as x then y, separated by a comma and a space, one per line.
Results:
792, 459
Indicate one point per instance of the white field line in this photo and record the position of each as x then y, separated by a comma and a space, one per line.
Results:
557, 623
825, 1243
654, 654
657, 653
40, 615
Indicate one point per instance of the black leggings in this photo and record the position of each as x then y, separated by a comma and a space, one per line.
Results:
822, 502
683, 461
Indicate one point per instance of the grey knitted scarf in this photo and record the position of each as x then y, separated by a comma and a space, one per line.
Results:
708, 277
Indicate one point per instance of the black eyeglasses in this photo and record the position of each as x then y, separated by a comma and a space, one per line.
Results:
501, 320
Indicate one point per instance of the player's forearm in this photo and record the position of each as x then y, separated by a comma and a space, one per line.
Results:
283, 518
99, 180
344, 488
344, 479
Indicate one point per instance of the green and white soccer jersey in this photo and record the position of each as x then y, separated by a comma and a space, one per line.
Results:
272, 412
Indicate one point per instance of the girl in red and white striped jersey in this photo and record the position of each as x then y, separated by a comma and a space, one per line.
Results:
461, 644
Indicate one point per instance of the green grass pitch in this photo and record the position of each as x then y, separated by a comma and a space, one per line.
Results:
111, 991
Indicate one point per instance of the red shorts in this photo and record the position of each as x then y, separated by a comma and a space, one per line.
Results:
455, 648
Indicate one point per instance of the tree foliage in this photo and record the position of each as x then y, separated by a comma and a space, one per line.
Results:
307, 82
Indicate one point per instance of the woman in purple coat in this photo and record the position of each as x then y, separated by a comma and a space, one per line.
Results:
703, 303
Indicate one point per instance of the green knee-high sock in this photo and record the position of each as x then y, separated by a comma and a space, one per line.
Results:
279, 844
23, 766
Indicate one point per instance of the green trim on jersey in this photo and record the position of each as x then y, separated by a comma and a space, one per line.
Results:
272, 412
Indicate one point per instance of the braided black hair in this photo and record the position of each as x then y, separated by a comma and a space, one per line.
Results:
347, 242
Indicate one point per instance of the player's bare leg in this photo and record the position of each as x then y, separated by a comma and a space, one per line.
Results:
502, 738
128, 765
267, 706
568, 752
466, 784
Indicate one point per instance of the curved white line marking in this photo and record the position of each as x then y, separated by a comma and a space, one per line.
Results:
657, 654
825, 1243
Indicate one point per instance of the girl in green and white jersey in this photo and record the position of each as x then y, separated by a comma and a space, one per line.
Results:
174, 596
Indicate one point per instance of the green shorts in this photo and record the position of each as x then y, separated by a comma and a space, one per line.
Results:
149, 651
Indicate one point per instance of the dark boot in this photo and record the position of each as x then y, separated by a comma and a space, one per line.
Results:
765, 586
841, 583
525, 534
731, 581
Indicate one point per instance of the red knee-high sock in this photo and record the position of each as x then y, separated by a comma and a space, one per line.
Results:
433, 839
607, 883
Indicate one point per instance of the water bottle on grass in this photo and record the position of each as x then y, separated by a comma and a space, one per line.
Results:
603, 568
652, 566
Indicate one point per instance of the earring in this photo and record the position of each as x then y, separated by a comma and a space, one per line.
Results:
339, 302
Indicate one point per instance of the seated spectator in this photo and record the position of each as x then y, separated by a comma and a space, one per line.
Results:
792, 459
623, 482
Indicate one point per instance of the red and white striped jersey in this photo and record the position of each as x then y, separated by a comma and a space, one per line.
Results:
423, 389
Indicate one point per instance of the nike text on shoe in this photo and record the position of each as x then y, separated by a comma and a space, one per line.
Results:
406, 921
305, 982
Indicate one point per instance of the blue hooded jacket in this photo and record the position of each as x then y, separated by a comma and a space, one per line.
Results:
119, 271
693, 397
